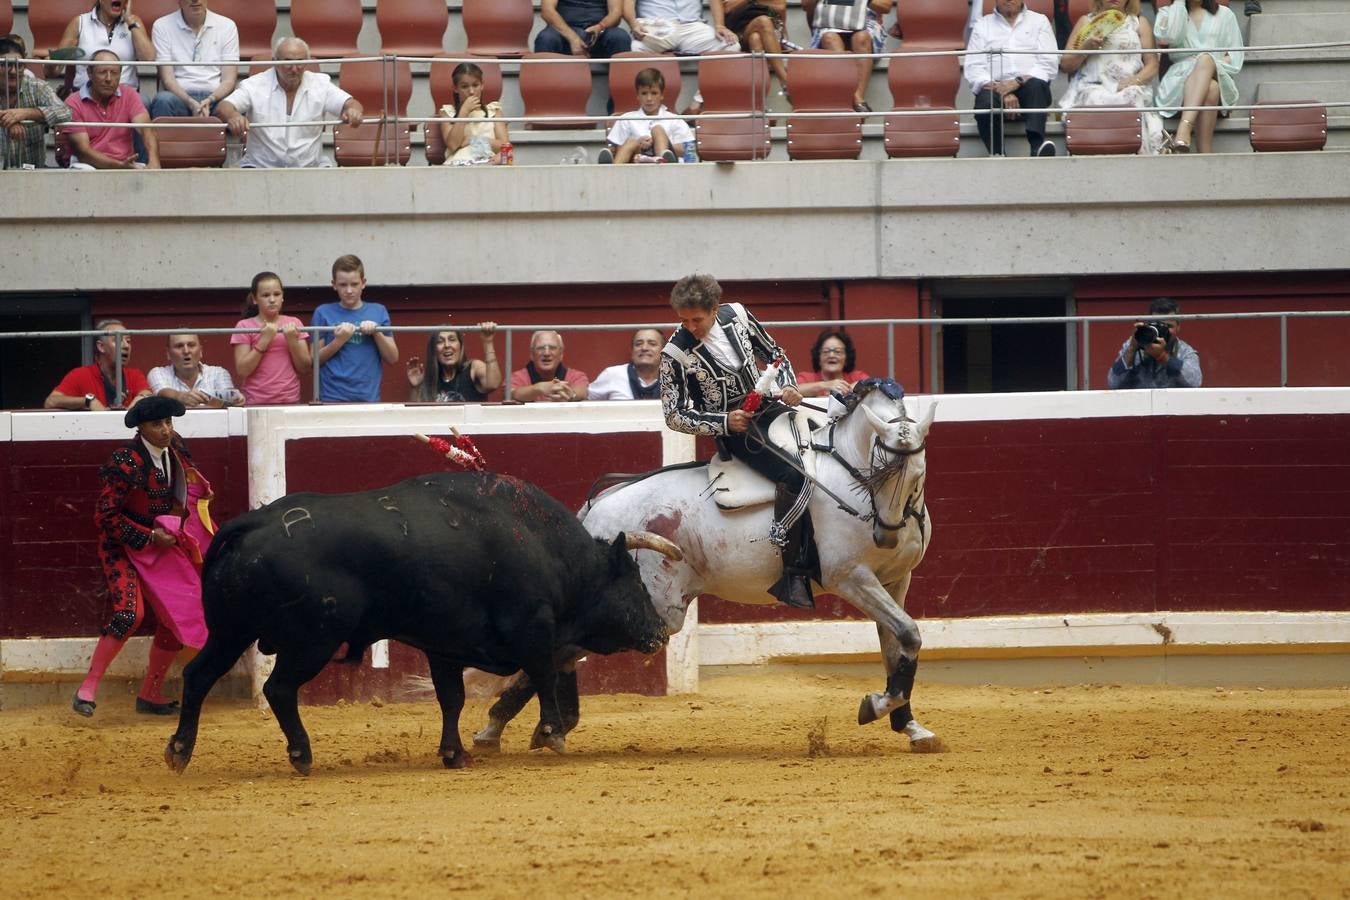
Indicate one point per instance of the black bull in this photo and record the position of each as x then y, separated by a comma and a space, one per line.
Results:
472, 569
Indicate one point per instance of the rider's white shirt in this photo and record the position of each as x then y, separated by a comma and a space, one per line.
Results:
722, 349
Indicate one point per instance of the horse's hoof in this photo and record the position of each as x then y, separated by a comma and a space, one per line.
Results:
460, 759
867, 711
175, 756
930, 744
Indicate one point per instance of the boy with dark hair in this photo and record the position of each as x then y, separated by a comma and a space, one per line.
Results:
650, 133
352, 355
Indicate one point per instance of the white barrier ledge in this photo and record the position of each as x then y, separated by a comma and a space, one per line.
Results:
1104, 634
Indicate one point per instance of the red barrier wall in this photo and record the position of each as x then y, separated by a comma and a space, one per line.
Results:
1183, 513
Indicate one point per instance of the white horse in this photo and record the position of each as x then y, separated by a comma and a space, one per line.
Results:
871, 530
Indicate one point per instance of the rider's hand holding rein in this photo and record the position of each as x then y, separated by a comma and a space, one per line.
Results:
791, 396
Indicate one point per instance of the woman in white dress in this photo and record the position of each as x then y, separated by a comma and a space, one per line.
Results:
1122, 77
1197, 78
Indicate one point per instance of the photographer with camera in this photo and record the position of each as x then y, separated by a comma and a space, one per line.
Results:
1154, 357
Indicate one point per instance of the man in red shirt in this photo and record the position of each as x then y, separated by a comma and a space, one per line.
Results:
106, 99
91, 386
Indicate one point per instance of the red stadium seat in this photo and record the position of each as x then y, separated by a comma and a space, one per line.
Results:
1102, 130
912, 77
556, 89
47, 20
375, 83
820, 83
443, 83
733, 85
369, 144
929, 135
6, 16
151, 11
622, 74
498, 27
933, 24
1288, 129
190, 148
256, 21
412, 27
330, 27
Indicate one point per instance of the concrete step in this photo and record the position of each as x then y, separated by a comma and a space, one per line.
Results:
1302, 28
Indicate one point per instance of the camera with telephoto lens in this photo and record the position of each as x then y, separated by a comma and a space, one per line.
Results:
1149, 332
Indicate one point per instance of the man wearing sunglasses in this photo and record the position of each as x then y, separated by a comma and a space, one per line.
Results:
194, 33
28, 107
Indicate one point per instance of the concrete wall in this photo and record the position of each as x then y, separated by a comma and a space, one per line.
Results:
800, 220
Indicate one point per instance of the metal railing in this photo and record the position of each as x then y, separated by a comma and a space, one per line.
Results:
934, 327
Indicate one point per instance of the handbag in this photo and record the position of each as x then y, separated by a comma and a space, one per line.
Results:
841, 15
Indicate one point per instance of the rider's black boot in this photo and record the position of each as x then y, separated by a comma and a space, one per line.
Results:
794, 588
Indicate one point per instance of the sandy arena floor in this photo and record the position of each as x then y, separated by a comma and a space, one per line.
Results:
1080, 791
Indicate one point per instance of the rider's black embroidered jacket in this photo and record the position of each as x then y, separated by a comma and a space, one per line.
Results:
697, 390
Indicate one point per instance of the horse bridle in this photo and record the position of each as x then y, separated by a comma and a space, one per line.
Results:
872, 484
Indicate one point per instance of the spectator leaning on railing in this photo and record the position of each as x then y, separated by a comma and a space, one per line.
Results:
92, 387
286, 93
28, 108
105, 99
545, 377
351, 357
190, 381
194, 33
271, 360
1005, 82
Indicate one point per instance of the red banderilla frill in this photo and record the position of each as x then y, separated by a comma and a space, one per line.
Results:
460, 449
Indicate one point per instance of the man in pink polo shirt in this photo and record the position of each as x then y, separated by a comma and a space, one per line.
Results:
544, 377
105, 99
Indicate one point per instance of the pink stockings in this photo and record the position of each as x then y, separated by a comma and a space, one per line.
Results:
162, 653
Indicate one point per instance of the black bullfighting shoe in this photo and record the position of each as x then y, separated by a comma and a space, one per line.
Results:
167, 708
82, 706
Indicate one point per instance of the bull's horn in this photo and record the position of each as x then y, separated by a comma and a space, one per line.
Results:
637, 540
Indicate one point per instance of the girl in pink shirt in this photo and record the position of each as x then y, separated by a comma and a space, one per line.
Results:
269, 368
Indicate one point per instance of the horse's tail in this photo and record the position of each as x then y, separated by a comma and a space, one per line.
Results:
610, 482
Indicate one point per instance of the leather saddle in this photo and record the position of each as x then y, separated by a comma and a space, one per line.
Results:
734, 485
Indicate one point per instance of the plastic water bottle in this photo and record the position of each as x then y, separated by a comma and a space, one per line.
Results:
690, 152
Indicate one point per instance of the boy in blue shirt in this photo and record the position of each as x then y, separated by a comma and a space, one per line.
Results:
350, 357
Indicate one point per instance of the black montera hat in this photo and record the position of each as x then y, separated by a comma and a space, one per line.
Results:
152, 409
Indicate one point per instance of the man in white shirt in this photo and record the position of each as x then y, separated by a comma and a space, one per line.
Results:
677, 26
286, 93
190, 381
1011, 82
193, 33
637, 379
